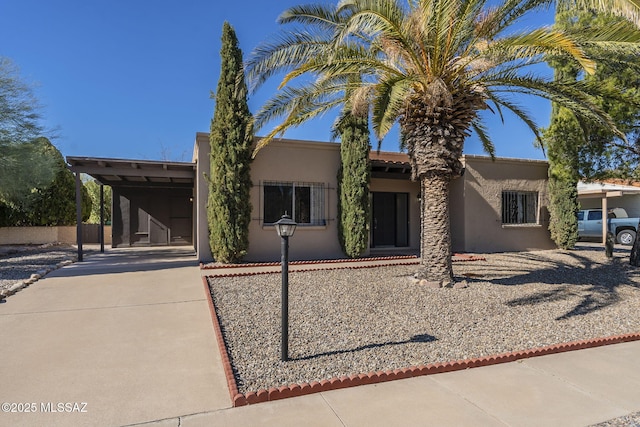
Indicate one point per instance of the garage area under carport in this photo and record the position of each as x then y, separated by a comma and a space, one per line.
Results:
152, 201
607, 195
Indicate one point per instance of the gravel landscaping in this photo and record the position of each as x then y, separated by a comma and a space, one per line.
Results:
631, 420
27, 263
345, 322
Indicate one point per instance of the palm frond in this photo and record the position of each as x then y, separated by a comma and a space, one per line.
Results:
628, 9
487, 145
320, 15
348, 59
538, 42
571, 96
389, 102
374, 18
285, 52
509, 12
520, 112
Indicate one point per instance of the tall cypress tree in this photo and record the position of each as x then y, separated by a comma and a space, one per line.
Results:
563, 139
231, 138
353, 185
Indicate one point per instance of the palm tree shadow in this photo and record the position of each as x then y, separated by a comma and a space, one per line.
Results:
420, 338
581, 279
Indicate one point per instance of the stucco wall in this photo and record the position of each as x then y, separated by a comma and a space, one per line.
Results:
201, 153
457, 214
476, 198
281, 161
42, 235
295, 161
484, 181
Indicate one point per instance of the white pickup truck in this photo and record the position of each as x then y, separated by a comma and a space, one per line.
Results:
618, 223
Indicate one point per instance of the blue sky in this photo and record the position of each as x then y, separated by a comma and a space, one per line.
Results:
132, 79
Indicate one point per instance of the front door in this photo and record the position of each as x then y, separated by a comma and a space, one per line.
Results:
390, 222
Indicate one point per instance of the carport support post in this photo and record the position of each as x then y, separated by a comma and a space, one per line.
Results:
79, 215
605, 220
101, 218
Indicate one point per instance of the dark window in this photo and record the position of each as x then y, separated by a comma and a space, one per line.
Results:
278, 200
519, 207
301, 201
594, 215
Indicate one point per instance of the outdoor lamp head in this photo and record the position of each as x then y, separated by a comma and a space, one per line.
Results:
285, 226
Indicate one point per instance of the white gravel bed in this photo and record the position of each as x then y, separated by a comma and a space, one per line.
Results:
19, 263
345, 322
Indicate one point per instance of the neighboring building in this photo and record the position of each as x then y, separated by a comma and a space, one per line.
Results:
495, 206
609, 195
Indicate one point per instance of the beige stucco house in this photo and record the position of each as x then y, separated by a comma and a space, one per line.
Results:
495, 206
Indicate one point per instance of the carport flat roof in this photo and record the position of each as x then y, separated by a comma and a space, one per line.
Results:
605, 189
135, 173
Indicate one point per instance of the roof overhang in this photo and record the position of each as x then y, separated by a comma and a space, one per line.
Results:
135, 173
600, 190
390, 165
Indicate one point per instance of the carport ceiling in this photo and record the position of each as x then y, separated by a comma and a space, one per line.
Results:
135, 173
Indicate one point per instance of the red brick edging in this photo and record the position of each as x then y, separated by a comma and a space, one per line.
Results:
460, 258
294, 390
224, 354
321, 261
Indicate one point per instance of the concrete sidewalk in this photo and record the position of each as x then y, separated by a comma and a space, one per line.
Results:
577, 388
129, 333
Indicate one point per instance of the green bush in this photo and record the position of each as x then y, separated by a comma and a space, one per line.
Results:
49, 205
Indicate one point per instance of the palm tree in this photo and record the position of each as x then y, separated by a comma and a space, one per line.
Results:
431, 66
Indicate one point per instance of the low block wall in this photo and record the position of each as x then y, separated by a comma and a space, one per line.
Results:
59, 234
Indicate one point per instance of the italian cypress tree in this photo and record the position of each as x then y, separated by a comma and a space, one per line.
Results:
353, 185
563, 138
231, 138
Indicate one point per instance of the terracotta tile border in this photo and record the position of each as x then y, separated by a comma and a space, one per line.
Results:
224, 354
344, 266
321, 261
457, 257
294, 390
303, 270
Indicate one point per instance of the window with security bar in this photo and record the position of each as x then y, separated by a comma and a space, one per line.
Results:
519, 207
304, 202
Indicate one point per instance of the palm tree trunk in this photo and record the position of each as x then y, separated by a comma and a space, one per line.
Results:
435, 242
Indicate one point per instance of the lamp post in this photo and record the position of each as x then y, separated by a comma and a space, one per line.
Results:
285, 227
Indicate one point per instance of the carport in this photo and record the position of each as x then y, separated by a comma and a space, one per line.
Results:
605, 191
152, 201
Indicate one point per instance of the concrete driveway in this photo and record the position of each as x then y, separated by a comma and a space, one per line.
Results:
121, 338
